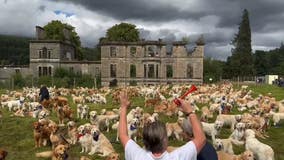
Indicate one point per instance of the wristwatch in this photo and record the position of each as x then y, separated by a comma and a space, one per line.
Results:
192, 112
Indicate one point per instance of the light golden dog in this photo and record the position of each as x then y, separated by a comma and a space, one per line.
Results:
175, 129
100, 144
58, 153
260, 150
247, 155
212, 129
113, 156
72, 132
206, 114
223, 145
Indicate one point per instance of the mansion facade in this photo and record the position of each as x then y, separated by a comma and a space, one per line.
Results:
123, 63
151, 62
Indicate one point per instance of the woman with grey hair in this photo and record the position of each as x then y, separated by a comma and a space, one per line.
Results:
155, 137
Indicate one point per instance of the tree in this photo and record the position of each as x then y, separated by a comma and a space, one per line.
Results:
241, 61
123, 32
55, 30
185, 39
261, 63
14, 50
212, 69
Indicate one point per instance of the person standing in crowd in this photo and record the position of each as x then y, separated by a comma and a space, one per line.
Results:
43, 93
155, 137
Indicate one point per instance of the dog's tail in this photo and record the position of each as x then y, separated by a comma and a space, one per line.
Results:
46, 154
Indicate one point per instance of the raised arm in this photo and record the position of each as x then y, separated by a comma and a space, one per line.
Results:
124, 104
199, 137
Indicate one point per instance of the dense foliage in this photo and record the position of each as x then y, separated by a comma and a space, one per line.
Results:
91, 54
123, 32
213, 69
55, 30
269, 62
62, 78
14, 50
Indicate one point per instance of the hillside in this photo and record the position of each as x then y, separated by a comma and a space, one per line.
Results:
14, 50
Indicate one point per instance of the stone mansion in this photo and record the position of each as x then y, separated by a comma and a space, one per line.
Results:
126, 63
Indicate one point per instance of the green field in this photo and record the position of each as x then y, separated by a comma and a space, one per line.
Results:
16, 134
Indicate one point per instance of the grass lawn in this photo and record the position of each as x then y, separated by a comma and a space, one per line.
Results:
16, 134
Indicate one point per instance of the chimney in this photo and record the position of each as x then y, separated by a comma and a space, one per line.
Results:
40, 33
66, 33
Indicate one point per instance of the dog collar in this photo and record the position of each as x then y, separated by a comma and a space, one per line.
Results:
40, 107
96, 138
65, 156
132, 127
79, 136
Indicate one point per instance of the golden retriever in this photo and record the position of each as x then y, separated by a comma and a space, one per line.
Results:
3, 154
58, 153
100, 144
247, 155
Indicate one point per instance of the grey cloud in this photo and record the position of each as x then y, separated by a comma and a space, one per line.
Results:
130, 9
42, 8
266, 18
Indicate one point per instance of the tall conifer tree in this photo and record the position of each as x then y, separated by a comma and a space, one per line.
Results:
241, 61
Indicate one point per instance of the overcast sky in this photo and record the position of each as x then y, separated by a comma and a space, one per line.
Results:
217, 20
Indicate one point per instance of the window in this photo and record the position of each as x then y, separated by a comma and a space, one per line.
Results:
67, 56
44, 52
49, 53
97, 71
169, 71
189, 71
157, 71
169, 49
39, 53
113, 70
151, 70
71, 70
113, 51
133, 51
39, 71
49, 71
44, 71
145, 71
151, 52
132, 71
17, 70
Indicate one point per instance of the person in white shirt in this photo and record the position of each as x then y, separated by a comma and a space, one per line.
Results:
155, 137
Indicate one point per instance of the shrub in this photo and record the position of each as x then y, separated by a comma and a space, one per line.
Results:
46, 80
133, 83
19, 81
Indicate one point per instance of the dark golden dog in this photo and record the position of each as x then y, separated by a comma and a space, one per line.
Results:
3, 154
64, 112
41, 134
